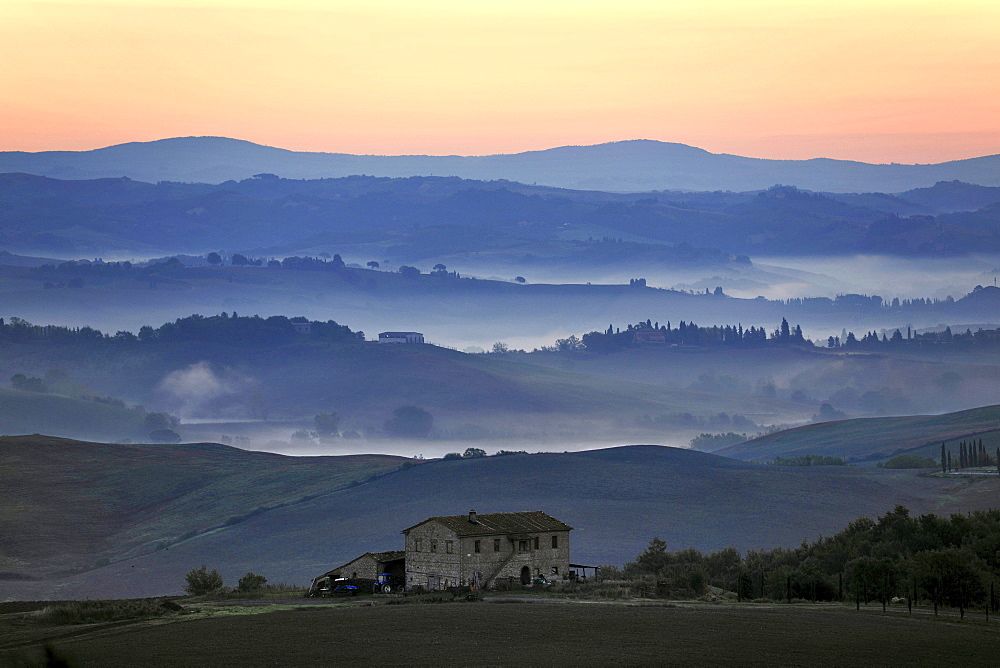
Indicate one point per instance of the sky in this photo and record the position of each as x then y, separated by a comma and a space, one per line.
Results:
876, 80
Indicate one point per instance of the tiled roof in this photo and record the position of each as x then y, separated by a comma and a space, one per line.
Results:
499, 523
381, 557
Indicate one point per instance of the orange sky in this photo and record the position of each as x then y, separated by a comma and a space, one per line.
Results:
880, 81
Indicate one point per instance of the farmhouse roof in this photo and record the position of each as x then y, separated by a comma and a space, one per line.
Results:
380, 557
387, 334
474, 524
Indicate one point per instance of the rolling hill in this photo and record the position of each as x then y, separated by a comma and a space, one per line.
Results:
617, 499
31, 412
633, 166
68, 505
873, 438
427, 219
213, 368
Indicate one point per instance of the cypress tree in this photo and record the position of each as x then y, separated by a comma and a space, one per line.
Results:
944, 460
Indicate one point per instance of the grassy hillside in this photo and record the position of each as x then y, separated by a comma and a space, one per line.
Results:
69, 504
617, 499
873, 438
31, 412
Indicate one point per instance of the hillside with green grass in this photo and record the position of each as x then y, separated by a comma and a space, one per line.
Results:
295, 518
70, 505
875, 438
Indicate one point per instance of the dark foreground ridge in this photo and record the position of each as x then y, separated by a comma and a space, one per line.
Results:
553, 633
300, 516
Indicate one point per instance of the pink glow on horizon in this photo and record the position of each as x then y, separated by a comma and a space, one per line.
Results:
880, 81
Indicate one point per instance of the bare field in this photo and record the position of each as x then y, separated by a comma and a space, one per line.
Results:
539, 633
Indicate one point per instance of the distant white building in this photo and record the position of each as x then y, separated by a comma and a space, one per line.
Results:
400, 337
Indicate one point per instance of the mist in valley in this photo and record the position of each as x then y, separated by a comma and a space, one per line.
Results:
494, 401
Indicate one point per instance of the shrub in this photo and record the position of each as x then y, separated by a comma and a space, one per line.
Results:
711, 442
409, 422
200, 581
89, 612
164, 436
251, 582
808, 460
909, 461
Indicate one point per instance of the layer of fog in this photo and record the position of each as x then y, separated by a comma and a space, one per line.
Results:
781, 277
280, 439
524, 317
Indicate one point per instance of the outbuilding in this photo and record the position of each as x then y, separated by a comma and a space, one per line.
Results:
400, 337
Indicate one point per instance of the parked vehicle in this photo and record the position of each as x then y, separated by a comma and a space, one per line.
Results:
338, 587
541, 581
388, 583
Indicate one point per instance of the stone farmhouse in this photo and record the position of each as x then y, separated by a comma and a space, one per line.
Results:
457, 550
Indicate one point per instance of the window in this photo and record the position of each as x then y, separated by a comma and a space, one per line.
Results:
496, 544
448, 546
418, 545
536, 542
555, 542
434, 545
476, 546
555, 570
522, 546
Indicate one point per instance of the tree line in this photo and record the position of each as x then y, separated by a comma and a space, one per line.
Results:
233, 329
686, 334
649, 333
941, 561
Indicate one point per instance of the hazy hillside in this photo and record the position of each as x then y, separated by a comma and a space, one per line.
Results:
617, 499
620, 166
31, 412
872, 438
430, 219
452, 311
222, 368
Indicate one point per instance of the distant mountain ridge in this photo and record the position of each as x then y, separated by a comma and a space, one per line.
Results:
624, 166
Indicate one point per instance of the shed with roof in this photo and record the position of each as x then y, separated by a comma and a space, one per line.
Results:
366, 567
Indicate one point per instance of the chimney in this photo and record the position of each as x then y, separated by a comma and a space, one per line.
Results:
472, 517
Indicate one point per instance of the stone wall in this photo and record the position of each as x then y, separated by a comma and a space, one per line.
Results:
433, 557
364, 567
